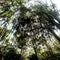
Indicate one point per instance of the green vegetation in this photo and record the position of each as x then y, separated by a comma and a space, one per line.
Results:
29, 32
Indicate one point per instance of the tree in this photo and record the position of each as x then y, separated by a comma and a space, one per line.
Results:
36, 23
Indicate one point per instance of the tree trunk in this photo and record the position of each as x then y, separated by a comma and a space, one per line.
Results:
36, 56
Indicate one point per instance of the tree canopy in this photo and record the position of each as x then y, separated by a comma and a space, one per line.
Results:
22, 27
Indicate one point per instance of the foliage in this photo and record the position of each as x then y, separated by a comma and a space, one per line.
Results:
30, 26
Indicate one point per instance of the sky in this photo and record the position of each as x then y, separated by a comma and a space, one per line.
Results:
57, 2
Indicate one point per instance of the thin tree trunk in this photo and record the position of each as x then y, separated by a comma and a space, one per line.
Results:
35, 53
